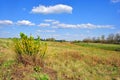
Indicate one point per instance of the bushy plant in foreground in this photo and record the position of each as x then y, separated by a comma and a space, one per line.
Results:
30, 51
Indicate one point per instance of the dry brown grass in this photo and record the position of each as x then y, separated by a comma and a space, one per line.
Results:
72, 55
94, 60
21, 72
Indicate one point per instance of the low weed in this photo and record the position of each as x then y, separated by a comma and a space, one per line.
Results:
7, 64
41, 76
37, 69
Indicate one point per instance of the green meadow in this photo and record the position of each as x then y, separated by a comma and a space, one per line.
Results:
112, 47
63, 61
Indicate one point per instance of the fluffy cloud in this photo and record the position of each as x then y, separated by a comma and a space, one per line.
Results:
115, 1
6, 22
52, 21
45, 30
58, 24
57, 9
44, 25
55, 22
49, 20
87, 26
25, 23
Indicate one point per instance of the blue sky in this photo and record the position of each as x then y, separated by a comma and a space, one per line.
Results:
61, 19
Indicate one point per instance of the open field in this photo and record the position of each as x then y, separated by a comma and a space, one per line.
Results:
65, 61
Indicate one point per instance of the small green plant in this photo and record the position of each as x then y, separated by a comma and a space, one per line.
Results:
30, 51
40, 76
37, 69
7, 64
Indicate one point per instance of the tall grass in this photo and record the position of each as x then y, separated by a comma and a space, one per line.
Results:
30, 51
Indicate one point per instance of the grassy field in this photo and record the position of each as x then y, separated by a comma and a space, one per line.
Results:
64, 61
112, 47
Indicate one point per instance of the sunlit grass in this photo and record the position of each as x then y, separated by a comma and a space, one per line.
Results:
70, 61
74, 62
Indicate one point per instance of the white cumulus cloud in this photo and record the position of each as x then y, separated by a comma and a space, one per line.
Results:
6, 22
25, 23
49, 20
46, 31
50, 30
44, 25
58, 24
56, 9
82, 26
52, 21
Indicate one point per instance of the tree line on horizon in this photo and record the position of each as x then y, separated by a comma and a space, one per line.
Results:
111, 39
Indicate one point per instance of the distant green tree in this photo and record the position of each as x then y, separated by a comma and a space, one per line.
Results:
110, 38
50, 39
102, 39
87, 40
117, 38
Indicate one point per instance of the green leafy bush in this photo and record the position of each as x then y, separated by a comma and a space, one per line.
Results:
30, 51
